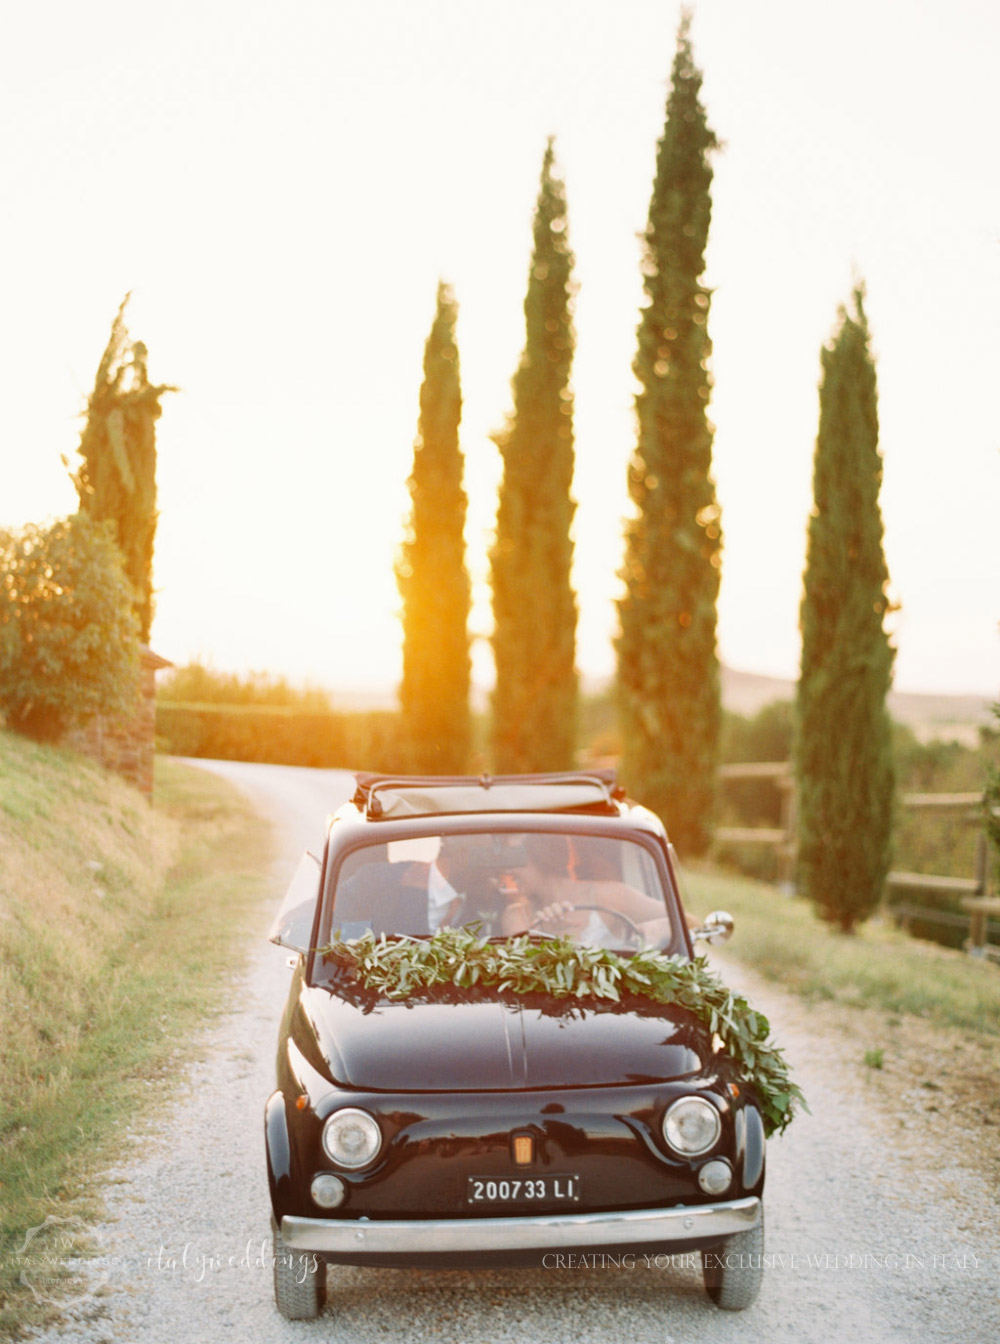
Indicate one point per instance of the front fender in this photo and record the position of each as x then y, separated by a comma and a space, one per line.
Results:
279, 1155
750, 1146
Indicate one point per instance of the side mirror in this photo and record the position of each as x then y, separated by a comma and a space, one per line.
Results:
717, 928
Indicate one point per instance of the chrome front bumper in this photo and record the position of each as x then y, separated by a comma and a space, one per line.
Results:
687, 1222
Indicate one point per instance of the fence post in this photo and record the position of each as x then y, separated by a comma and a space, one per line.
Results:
789, 824
977, 893
980, 906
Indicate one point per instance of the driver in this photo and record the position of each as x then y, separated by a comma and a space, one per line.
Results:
548, 896
410, 897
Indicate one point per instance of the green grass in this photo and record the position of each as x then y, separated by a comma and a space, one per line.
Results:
120, 926
877, 967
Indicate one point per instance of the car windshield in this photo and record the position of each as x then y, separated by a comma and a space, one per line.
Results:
601, 890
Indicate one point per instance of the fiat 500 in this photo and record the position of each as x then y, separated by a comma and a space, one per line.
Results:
480, 1122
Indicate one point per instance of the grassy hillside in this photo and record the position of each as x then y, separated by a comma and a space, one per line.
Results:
82, 861
120, 925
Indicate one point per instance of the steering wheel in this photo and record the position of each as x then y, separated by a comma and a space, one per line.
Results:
635, 934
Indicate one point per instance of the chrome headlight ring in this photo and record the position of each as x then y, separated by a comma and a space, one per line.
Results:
351, 1138
691, 1126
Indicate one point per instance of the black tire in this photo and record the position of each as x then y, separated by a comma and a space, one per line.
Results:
734, 1269
299, 1282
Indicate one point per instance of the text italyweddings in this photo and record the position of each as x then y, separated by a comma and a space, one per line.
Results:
198, 1264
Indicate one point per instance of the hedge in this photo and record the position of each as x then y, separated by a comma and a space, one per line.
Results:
281, 735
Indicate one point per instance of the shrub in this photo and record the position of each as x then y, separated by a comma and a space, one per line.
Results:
69, 645
279, 734
765, 736
197, 684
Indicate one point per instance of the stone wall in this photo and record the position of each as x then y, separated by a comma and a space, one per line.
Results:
123, 744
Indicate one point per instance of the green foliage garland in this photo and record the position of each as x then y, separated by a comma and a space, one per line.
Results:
404, 967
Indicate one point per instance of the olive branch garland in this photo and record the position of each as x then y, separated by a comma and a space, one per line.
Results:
398, 968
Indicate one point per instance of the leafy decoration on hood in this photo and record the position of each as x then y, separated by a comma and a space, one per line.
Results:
404, 967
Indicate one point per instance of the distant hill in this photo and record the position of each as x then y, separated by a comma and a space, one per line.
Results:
929, 715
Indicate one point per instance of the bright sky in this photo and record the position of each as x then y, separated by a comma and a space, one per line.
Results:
282, 182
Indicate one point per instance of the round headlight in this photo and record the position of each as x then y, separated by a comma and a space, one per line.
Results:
691, 1126
351, 1138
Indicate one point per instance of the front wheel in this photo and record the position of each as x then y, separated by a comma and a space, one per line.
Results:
734, 1269
299, 1282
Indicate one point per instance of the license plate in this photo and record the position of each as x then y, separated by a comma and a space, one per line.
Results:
523, 1189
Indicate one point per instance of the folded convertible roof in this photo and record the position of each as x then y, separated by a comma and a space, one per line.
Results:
390, 797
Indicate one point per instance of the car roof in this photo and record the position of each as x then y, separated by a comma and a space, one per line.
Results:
509, 801
388, 797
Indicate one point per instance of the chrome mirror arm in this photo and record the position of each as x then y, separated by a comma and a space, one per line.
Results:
717, 928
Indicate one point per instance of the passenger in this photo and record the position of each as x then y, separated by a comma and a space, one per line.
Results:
548, 896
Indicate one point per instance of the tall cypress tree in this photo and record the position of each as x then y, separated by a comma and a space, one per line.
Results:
534, 606
431, 573
844, 750
116, 479
668, 674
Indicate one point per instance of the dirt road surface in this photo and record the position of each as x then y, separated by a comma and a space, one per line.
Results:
867, 1240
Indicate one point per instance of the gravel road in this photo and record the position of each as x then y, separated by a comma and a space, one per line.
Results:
866, 1241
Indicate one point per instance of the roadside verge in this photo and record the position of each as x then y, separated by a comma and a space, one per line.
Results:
121, 929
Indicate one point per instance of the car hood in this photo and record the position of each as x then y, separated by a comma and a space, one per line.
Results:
490, 1044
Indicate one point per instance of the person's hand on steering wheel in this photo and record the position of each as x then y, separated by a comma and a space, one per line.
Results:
555, 914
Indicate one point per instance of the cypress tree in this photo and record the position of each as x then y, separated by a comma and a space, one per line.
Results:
668, 674
534, 606
844, 749
433, 581
116, 479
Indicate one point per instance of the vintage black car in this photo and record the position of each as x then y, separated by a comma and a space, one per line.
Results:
482, 1128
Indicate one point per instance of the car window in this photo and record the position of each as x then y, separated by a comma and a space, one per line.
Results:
294, 921
598, 889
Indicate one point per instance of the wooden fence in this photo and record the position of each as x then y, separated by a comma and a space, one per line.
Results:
976, 893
